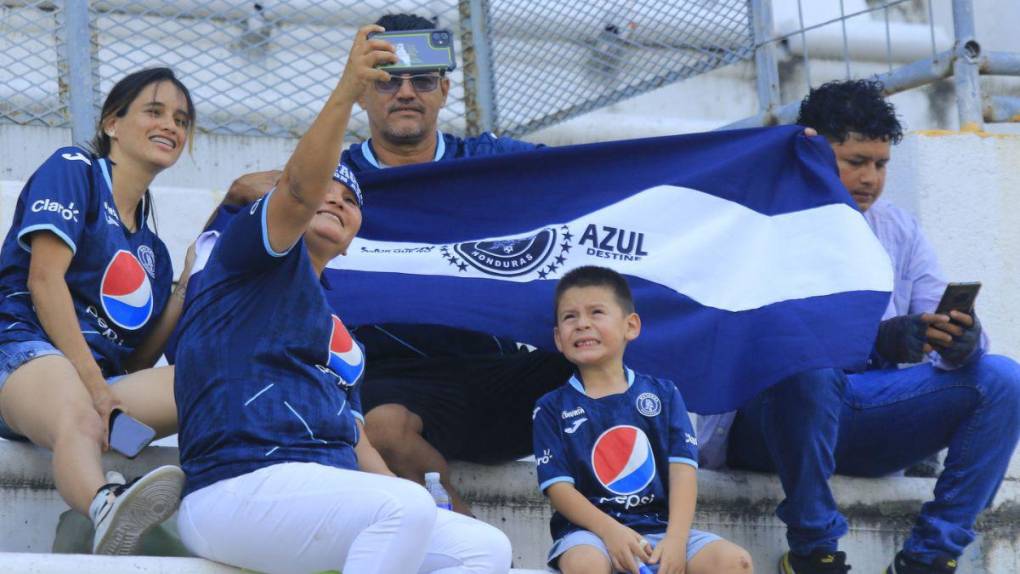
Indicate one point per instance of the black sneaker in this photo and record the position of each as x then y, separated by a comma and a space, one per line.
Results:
819, 562
904, 564
927, 468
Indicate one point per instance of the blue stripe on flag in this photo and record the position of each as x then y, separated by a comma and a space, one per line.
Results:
717, 358
551, 185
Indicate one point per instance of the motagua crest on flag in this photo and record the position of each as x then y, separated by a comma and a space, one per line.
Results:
540, 253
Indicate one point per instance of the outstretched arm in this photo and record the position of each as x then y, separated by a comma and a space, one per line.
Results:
308, 174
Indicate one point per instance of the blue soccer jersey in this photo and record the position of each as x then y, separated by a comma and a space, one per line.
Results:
119, 280
265, 372
615, 450
361, 157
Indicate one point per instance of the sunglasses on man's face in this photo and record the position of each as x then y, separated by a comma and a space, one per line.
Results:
420, 83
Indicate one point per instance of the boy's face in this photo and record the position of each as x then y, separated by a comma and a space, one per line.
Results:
591, 327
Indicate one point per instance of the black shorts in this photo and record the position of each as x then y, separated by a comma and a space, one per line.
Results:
474, 408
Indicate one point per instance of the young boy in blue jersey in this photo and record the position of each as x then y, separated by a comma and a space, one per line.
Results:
615, 449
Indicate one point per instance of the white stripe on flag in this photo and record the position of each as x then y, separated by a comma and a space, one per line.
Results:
718, 252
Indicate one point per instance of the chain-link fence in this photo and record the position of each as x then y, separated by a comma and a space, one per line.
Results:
894, 41
264, 68
552, 61
254, 68
33, 74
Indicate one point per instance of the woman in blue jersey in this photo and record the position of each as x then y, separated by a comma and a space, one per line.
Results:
86, 298
280, 477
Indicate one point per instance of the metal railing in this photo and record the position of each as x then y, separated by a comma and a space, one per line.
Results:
263, 68
964, 61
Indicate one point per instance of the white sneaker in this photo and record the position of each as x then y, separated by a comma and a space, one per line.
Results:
128, 511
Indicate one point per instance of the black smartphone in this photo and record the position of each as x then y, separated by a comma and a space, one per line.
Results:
419, 50
959, 297
128, 435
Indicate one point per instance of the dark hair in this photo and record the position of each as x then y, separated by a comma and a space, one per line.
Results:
119, 100
593, 276
837, 109
125, 91
402, 22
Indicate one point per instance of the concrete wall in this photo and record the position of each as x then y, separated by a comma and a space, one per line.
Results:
965, 190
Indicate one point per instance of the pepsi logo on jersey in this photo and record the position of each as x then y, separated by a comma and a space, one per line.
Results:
125, 292
623, 460
345, 357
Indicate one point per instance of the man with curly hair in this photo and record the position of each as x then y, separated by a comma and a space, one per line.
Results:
883, 419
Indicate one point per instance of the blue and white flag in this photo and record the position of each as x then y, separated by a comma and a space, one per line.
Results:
748, 259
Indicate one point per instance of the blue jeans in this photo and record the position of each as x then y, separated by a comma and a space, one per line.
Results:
872, 424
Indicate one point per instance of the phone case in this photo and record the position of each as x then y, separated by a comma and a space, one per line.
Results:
420, 50
128, 435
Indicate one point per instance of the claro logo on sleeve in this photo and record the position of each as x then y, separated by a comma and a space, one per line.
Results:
69, 213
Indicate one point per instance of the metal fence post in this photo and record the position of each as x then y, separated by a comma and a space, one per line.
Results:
479, 82
966, 72
76, 68
765, 58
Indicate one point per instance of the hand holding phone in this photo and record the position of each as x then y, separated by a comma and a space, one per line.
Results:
959, 297
958, 332
128, 435
419, 50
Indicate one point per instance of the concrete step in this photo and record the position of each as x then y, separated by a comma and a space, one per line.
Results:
736, 505
24, 563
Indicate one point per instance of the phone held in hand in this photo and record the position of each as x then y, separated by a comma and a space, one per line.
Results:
959, 297
128, 435
419, 50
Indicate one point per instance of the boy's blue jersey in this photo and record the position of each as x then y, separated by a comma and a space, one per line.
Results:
615, 450
265, 372
119, 280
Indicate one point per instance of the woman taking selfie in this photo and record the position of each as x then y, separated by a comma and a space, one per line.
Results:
280, 475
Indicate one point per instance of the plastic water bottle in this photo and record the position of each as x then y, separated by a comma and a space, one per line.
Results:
437, 491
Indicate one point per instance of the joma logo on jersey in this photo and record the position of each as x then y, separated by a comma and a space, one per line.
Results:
69, 213
613, 243
76, 157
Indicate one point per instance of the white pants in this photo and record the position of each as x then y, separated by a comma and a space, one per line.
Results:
303, 518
